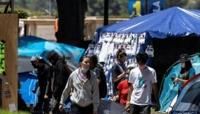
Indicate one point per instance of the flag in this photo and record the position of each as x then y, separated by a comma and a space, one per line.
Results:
156, 5
134, 8
130, 6
142, 7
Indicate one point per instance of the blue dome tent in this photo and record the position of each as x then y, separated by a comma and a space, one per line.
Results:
169, 89
169, 33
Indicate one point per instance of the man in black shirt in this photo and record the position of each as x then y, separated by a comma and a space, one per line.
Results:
61, 73
43, 75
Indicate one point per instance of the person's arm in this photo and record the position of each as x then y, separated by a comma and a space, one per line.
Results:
49, 75
66, 91
130, 90
98, 76
46, 90
119, 77
155, 93
180, 80
183, 78
119, 88
116, 76
95, 95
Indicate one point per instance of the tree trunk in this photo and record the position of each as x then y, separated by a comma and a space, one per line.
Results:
71, 14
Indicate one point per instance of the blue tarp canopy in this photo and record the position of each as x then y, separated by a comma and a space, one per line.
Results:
175, 21
30, 46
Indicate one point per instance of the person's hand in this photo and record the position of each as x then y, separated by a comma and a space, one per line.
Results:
127, 107
176, 80
61, 107
45, 96
128, 71
123, 74
115, 98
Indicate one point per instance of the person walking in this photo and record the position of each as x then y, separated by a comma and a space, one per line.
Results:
142, 82
82, 87
59, 79
99, 73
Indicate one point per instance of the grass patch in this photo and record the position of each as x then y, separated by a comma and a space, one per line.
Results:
7, 112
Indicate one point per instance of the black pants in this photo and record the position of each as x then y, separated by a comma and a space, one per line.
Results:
76, 109
57, 95
137, 109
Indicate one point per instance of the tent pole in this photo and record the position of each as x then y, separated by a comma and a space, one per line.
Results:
106, 10
146, 6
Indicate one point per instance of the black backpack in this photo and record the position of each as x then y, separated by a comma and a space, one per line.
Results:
102, 84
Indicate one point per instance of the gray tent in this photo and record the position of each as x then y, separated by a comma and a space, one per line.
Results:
24, 65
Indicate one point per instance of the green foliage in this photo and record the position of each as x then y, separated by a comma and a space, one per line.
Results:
116, 8
2, 57
95, 7
22, 13
7, 112
37, 7
188, 4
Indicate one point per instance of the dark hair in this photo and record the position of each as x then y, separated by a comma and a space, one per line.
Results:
53, 56
94, 59
120, 53
187, 67
184, 57
82, 57
141, 58
88, 72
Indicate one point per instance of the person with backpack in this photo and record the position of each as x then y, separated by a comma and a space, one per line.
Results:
59, 79
99, 72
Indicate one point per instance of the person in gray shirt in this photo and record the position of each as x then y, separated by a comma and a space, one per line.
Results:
82, 87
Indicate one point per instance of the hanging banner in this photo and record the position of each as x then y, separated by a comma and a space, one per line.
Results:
108, 44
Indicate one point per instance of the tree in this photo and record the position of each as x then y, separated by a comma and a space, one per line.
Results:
71, 14
188, 4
